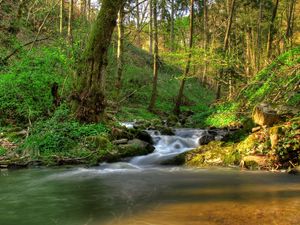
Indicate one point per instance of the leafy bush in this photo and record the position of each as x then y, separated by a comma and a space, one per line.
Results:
224, 115
25, 88
2, 151
59, 134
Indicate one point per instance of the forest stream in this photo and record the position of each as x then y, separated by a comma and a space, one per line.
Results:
142, 192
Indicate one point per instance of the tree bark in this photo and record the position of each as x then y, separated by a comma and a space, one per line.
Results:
172, 26
225, 47
272, 30
83, 8
70, 20
138, 27
155, 59
150, 26
89, 96
289, 30
258, 44
88, 10
176, 109
205, 39
61, 16
120, 51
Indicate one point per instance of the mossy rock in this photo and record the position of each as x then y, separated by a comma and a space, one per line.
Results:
135, 147
248, 144
216, 153
255, 162
99, 141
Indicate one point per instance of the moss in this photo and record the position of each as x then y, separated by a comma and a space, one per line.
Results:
216, 153
99, 141
247, 145
251, 164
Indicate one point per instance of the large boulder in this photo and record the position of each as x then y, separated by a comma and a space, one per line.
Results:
265, 115
135, 147
144, 136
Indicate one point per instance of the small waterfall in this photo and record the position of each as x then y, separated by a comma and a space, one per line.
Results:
167, 147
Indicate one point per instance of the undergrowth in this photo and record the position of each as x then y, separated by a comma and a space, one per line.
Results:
61, 135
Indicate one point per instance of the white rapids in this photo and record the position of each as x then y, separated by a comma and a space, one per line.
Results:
167, 147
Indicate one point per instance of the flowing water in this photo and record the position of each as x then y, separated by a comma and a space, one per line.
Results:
142, 192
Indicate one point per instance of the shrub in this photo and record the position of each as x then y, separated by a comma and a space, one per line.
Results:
25, 88
59, 134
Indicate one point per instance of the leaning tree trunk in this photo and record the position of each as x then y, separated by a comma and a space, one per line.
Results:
155, 59
176, 109
88, 98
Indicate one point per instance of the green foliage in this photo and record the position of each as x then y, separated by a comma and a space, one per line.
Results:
225, 115
25, 87
288, 147
135, 113
59, 134
2, 151
137, 88
276, 82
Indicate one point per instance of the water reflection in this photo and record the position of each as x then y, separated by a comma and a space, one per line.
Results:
166, 196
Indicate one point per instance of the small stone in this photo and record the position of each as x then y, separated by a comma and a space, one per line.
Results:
255, 129
120, 141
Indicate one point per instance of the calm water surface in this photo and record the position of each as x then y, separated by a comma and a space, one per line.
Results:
158, 196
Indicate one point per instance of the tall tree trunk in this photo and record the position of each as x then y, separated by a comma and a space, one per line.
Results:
70, 20
205, 39
172, 37
289, 31
155, 59
61, 16
229, 24
120, 50
83, 8
150, 26
88, 10
138, 26
89, 96
176, 109
225, 46
258, 44
272, 30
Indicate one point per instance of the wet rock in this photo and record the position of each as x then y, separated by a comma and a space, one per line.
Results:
274, 136
144, 136
120, 141
99, 141
264, 115
295, 170
254, 162
118, 133
166, 131
205, 139
135, 147
255, 129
